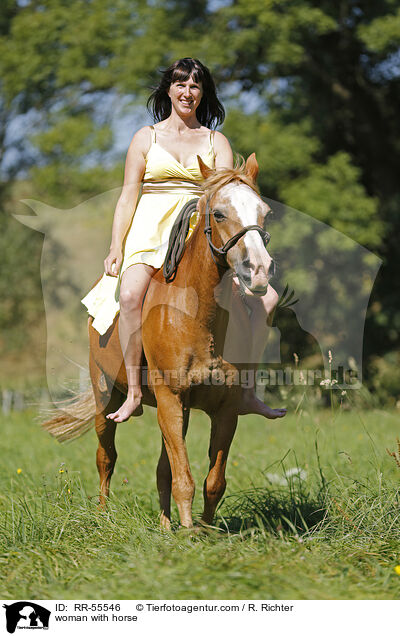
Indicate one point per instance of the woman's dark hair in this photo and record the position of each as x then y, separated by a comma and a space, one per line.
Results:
210, 111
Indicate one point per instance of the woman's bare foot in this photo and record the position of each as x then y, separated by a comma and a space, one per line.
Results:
252, 404
131, 406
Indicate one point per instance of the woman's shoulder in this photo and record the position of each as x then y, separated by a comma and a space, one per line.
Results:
141, 140
220, 141
144, 134
210, 131
223, 151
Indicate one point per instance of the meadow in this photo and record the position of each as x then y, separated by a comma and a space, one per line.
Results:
311, 511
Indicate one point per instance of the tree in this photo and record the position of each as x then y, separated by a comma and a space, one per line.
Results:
63, 67
313, 88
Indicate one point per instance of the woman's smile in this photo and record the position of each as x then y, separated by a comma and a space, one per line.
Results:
186, 94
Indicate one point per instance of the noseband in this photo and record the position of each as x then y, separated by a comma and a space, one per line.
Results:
222, 252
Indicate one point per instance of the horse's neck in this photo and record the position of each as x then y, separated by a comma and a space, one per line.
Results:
211, 283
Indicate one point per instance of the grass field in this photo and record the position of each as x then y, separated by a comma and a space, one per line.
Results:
331, 531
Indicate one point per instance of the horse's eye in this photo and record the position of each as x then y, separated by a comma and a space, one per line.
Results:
266, 238
218, 216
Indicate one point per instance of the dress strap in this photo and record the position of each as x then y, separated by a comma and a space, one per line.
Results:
212, 135
153, 134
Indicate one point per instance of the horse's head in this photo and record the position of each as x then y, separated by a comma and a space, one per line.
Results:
236, 217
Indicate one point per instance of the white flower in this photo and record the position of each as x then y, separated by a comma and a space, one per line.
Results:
279, 480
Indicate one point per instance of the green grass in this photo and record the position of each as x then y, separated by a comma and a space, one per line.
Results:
333, 534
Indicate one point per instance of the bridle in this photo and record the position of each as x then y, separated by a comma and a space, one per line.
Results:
179, 232
221, 252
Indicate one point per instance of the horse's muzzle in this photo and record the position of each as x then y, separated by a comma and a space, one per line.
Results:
256, 279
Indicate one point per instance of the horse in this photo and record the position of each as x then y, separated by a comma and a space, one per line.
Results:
183, 343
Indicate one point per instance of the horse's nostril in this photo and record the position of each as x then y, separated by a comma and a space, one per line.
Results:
246, 263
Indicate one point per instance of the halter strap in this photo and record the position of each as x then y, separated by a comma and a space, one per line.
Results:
222, 251
153, 134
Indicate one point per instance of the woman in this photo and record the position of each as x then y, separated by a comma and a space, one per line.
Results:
162, 158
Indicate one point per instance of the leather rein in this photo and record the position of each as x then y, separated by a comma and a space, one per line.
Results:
221, 252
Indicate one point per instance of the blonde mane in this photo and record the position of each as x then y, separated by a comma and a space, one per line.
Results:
223, 176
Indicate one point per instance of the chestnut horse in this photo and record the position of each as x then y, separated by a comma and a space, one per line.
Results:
183, 332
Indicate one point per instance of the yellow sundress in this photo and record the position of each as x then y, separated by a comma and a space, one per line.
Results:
167, 186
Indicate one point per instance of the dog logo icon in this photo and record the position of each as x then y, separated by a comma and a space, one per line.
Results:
26, 615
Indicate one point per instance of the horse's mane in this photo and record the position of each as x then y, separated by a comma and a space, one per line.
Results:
223, 176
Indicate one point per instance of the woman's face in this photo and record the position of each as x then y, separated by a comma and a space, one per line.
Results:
185, 96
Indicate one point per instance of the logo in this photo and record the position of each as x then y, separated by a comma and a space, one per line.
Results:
26, 615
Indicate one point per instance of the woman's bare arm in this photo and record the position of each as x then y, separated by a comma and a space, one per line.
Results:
223, 151
135, 166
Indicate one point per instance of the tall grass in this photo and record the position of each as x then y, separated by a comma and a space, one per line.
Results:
311, 511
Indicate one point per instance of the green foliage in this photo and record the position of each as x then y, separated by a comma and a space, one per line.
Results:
283, 151
332, 193
385, 378
276, 30
312, 88
64, 138
19, 292
382, 35
61, 185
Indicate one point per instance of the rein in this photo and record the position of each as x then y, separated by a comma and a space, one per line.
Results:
177, 238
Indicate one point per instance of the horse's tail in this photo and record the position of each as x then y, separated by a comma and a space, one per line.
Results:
72, 417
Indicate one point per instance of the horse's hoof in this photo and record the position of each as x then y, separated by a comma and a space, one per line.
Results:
165, 523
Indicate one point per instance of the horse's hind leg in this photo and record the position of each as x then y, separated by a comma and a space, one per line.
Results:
164, 477
107, 401
223, 427
106, 454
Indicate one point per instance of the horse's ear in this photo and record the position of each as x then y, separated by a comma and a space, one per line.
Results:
252, 167
45, 214
205, 170
34, 222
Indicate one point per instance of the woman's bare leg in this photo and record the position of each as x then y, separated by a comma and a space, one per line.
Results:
134, 283
261, 313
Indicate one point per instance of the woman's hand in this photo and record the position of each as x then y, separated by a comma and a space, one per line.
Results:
113, 262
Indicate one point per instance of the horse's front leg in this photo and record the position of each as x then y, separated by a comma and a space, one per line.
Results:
172, 418
164, 477
223, 427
